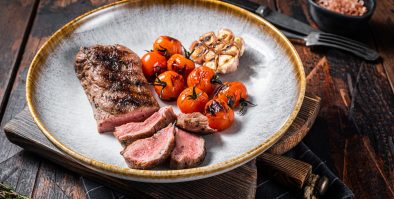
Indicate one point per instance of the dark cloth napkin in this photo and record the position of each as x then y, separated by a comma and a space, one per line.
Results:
266, 186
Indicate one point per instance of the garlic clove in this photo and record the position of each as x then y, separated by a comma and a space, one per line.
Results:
194, 45
218, 47
209, 56
230, 50
213, 64
208, 39
220, 52
227, 64
240, 43
198, 50
225, 36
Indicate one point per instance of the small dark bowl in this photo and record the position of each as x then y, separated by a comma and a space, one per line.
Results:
330, 21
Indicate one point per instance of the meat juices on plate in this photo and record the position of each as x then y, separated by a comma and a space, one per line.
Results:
189, 150
149, 152
112, 78
132, 131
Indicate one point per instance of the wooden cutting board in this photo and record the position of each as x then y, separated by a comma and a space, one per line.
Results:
238, 183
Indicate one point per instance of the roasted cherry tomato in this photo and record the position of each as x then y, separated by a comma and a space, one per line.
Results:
153, 63
192, 100
220, 115
234, 93
168, 46
169, 85
180, 64
203, 78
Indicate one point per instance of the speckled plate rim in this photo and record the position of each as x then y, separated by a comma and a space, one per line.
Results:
192, 173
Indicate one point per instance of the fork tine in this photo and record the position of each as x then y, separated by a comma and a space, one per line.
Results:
340, 44
365, 50
362, 52
343, 39
365, 55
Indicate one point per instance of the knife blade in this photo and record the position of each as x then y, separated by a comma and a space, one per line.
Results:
276, 18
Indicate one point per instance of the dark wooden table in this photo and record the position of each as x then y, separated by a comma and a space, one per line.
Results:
354, 131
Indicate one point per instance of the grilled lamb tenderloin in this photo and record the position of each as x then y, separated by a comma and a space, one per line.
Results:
132, 131
150, 152
189, 150
112, 78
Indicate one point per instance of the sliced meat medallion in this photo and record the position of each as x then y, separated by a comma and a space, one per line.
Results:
149, 152
132, 131
189, 150
115, 85
194, 122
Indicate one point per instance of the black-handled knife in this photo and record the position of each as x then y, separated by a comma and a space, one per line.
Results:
302, 30
274, 17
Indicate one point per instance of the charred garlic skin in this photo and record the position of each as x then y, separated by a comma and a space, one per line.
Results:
208, 39
220, 52
225, 36
198, 51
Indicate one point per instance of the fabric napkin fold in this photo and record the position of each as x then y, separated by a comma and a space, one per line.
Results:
266, 186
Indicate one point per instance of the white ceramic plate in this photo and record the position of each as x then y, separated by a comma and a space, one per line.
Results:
270, 68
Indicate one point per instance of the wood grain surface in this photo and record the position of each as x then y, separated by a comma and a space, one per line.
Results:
382, 31
33, 176
354, 93
242, 181
353, 132
288, 171
15, 23
24, 132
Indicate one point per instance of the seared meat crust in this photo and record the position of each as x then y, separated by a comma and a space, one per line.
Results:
115, 85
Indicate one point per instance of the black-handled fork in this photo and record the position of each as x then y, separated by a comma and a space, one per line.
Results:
335, 41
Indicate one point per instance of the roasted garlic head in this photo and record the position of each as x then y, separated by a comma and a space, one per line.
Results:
220, 52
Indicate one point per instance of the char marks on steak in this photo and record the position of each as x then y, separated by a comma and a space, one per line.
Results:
132, 131
189, 150
194, 122
149, 152
115, 85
